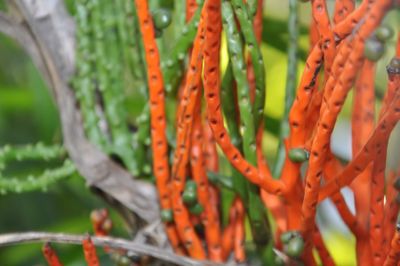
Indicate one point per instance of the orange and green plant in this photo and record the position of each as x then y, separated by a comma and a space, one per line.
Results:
197, 133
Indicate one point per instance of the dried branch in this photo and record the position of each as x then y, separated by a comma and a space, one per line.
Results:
117, 243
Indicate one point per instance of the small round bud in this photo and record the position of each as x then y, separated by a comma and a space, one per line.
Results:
384, 33
286, 236
394, 66
95, 216
167, 215
162, 18
373, 49
294, 248
189, 197
298, 155
196, 209
191, 185
279, 261
107, 225
124, 261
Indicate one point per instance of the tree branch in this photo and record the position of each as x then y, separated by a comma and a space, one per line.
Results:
117, 243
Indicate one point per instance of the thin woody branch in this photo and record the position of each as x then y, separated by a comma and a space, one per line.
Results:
117, 243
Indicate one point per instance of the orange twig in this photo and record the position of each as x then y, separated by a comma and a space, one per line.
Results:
342, 9
50, 255
181, 155
89, 251
327, 41
239, 233
210, 218
323, 252
391, 211
159, 143
229, 232
393, 257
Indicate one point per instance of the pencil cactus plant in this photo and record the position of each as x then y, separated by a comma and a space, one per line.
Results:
197, 72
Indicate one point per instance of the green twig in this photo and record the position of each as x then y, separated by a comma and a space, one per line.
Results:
49, 176
246, 24
171, 64
84, 80
290, 90
33, 152
259, 222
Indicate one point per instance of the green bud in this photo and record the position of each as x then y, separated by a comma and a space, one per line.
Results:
189, 197
294, 248
286, 236
124, 261
394, 67
384, 33
191, 185
162, 18
373, 49
167, 215
196, 209
279, 261
298, 155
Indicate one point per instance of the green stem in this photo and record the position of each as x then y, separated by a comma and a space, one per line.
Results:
290, 90
256, 211
83, 82
246, 24
49, 176
110, 79
227, 95
171, 65
34, 152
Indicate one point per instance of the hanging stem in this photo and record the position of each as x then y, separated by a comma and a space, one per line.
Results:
342, 9
89, 250
181, 155
50, 255
290, 88
392, 258
159, 143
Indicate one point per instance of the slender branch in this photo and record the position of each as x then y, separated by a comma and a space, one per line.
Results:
117, 243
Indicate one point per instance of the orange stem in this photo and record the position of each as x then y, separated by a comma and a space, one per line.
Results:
239, 233
376, 141
391, 211
50, 255
327, 41
394, 253
159, 143
342, 9
323, 252
89, 251
191, 91
209, 218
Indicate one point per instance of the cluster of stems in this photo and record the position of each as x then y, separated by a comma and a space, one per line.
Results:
197, 113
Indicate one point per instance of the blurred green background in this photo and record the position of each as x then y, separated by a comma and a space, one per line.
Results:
28, 115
